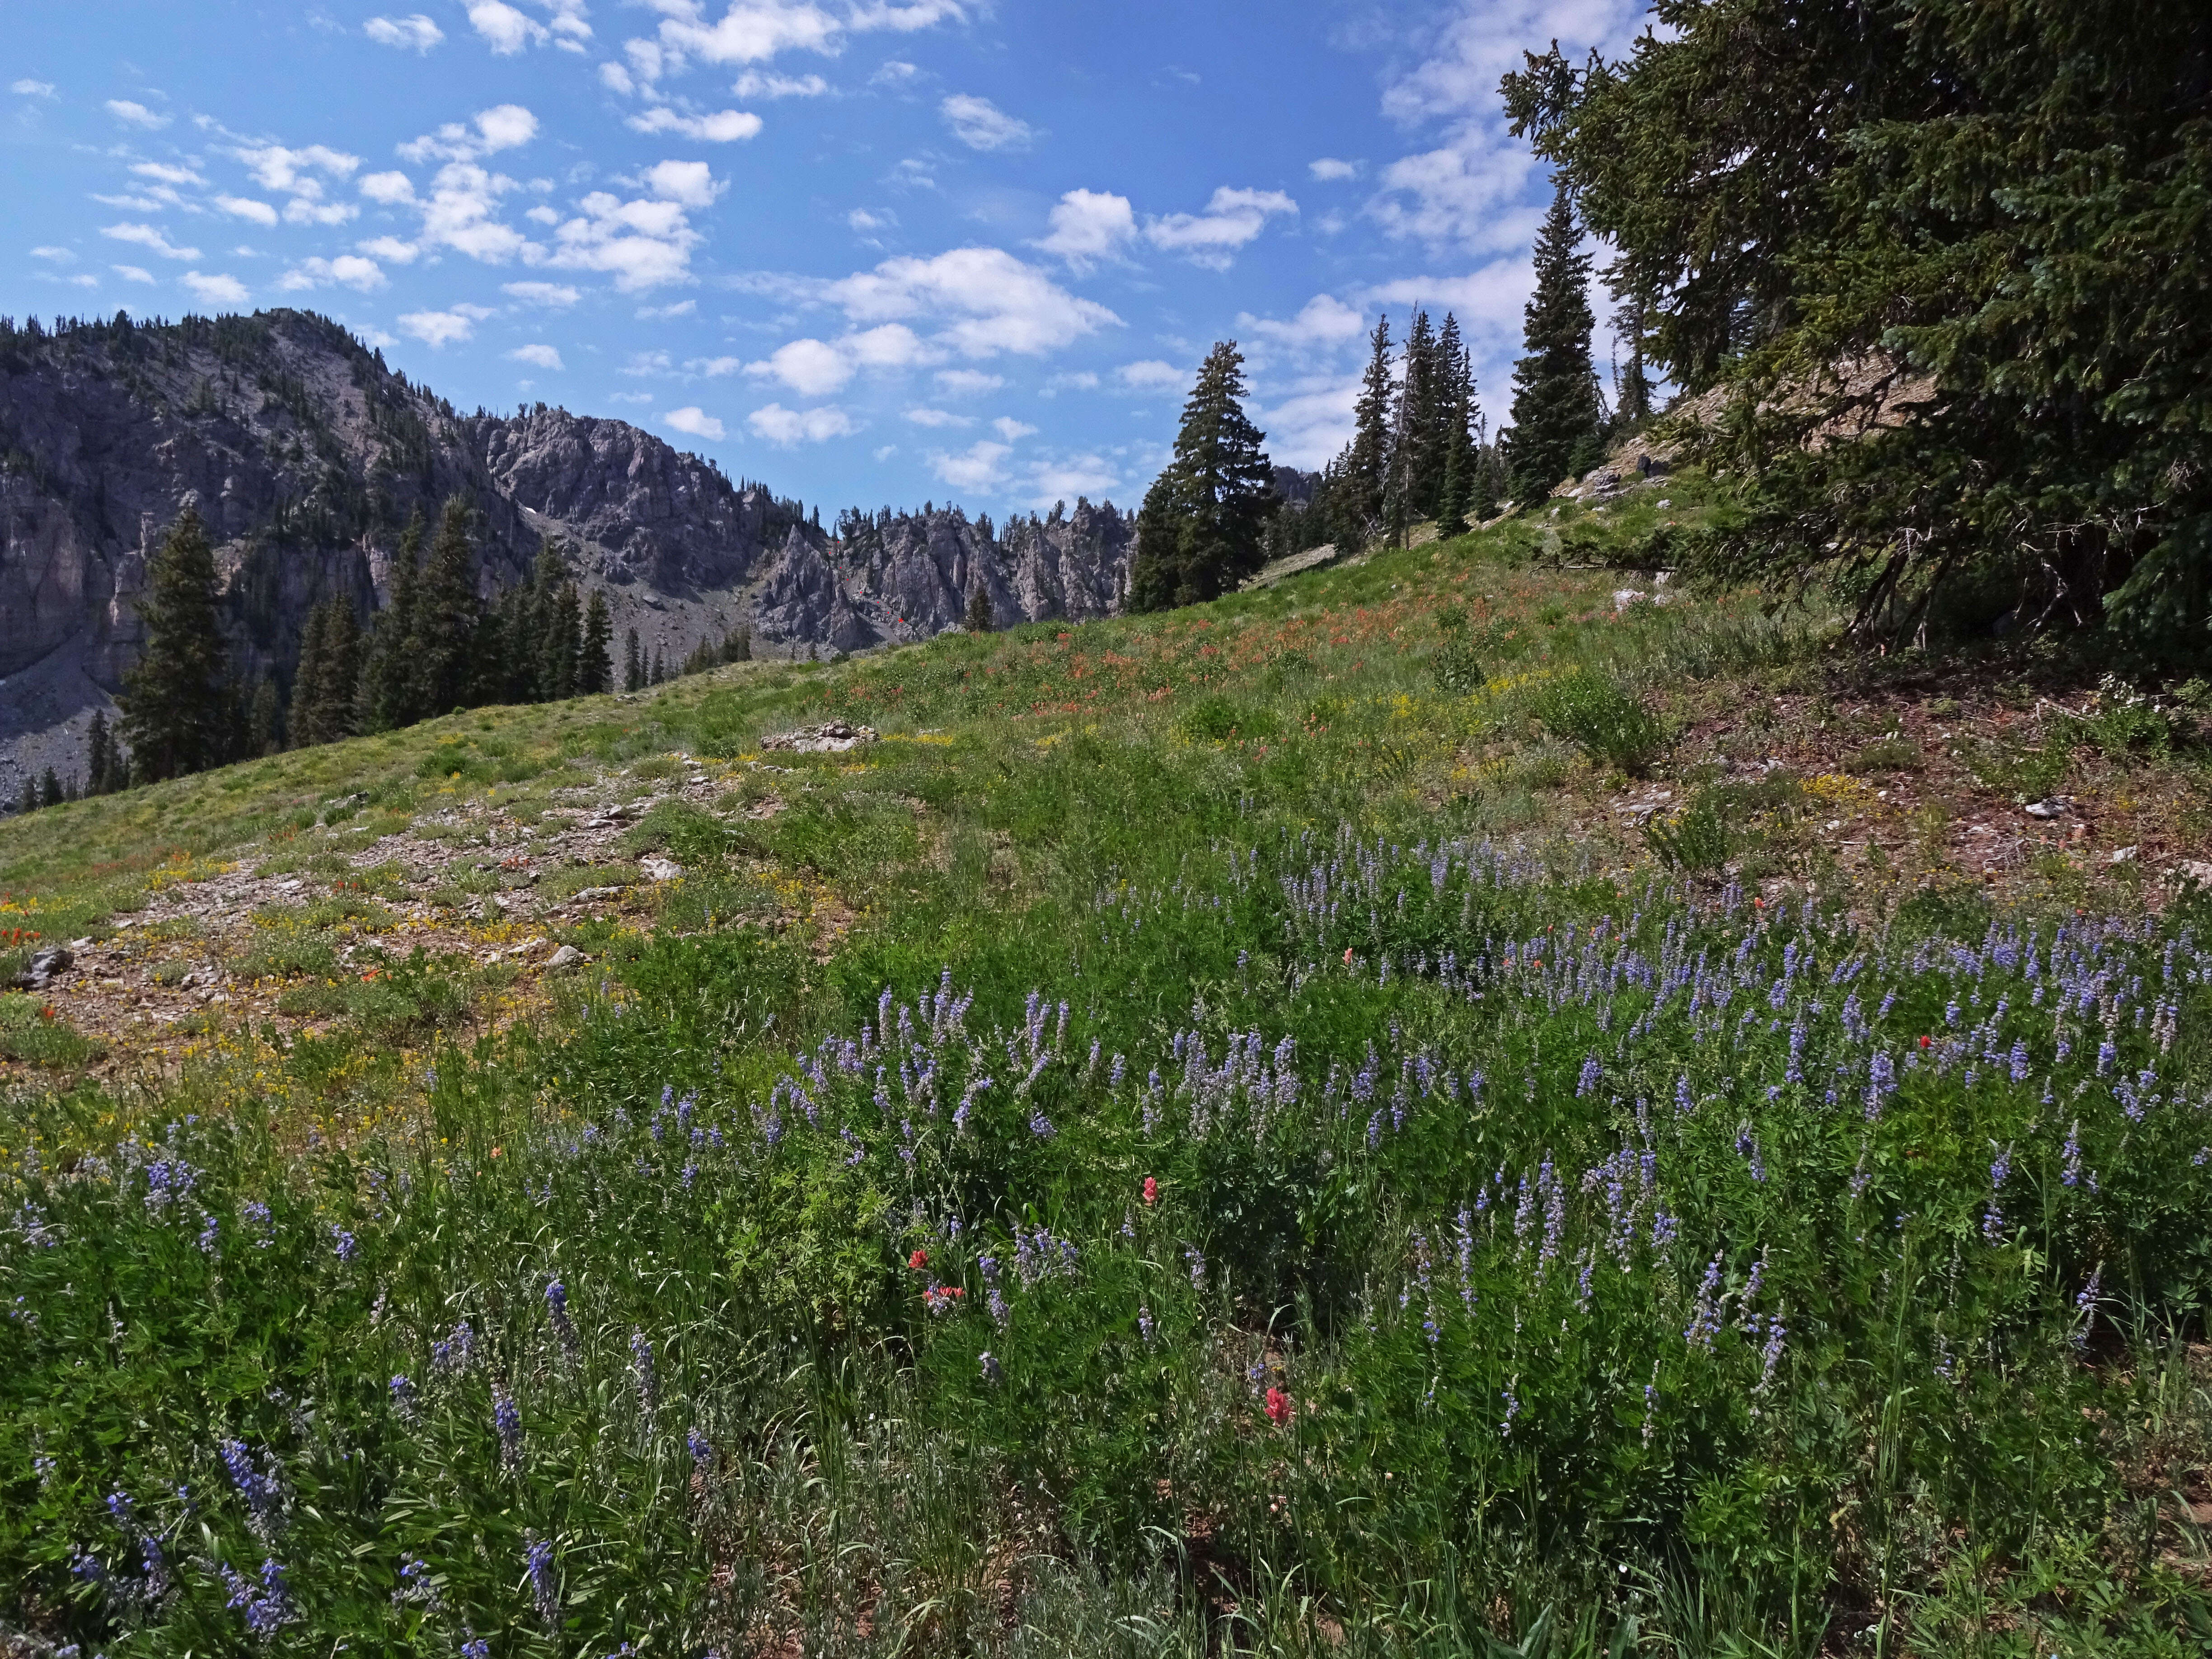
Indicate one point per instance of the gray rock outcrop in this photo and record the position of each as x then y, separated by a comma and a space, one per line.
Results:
307, 455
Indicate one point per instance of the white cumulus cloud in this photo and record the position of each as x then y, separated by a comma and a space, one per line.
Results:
641, 243
136, 115
215, 290
1012, 431
554, 296
1233, 218
937, 417
504, 126
507, 30
542, 356
346, 270
967, 382
986, 301
697, 422
982, 124
1328, 168
390, 189
688, 183
1323, 322
724, 127
166, 174
132, 273
1088, 225
754, 84
147, 237
59, 255
390, 249
415, 33
1150, 375
436, 329
977, 467
245, 207
29, 89
784, 426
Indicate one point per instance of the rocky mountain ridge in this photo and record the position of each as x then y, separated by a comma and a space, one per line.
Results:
307, 455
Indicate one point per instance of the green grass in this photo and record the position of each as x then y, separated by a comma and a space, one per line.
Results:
1385, 1215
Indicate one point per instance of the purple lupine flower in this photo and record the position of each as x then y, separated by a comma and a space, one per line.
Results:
2107, 1054
538, 1564
343, 1243
2086, 1306
1144, 1323
641, 1364
1705, 1315
702, 1450
266, 1607
403, 1395
1197, 1267
265, 1498
506, 1423
1116, 1072
2019, 1061
992, 1372
473, 1646
1591, 1073
2069, 1156
564, 1328
1771, 1355
208, 1228
1993, 1217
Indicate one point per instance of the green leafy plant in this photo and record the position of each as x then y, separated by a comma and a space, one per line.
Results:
1592, 711
1697, 838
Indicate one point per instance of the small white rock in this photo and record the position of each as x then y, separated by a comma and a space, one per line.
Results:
567, 956
660, 869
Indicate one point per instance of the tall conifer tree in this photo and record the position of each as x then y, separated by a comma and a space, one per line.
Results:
1556, 412
1203, 525
1356, 501
595, 669
445, 631
177, 703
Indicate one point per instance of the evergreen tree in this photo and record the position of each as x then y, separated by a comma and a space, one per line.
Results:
1356, 501
1556, 416
176, 704
738, 646
444, 630
388, 684
979, 610
633, 663
1456, 409
564, 639
338, 695
308, 678
1203, 525
594, 667
30, 802
1417, 447
657, 676
50, 789
99, 755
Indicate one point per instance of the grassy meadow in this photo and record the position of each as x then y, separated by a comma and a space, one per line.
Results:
1415, 1110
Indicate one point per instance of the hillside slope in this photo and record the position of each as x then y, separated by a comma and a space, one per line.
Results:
306, 454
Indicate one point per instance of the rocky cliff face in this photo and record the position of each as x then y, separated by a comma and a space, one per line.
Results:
306, 456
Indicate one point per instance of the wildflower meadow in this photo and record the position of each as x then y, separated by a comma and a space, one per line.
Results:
1276, 1221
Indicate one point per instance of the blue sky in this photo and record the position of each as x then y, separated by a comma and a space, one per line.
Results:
870, 251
